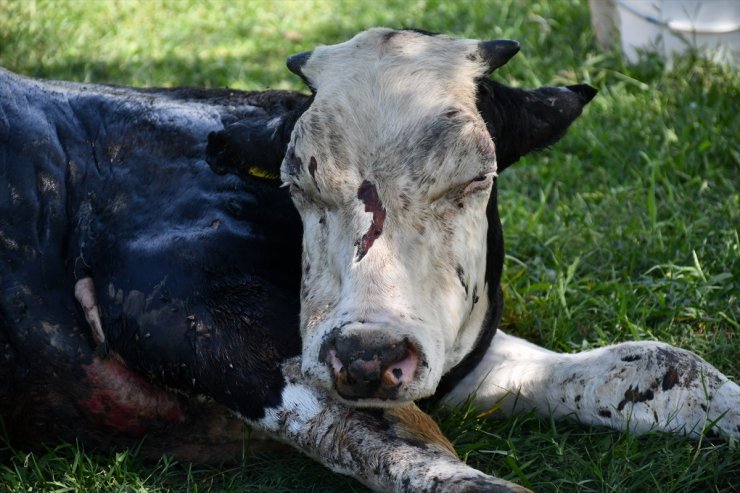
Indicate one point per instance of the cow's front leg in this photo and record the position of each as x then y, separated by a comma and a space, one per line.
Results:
642, 386
393, 450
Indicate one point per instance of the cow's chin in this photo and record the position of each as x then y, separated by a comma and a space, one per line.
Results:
401, 399
373, 403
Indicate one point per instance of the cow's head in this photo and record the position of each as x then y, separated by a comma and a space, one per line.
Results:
393, 169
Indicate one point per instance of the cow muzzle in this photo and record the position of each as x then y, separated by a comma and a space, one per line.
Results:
370, 364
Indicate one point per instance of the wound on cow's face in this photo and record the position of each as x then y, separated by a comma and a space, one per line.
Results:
369, 196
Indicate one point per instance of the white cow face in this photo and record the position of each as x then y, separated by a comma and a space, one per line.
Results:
391, 169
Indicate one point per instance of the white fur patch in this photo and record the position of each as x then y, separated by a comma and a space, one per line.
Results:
300, 402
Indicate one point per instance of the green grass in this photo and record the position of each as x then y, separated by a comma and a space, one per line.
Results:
627, 229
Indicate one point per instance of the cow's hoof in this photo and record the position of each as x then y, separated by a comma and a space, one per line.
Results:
469, 481
482, 484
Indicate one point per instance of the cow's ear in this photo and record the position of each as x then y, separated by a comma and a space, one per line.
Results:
246, 148
254, 146
497, 52
522, 121
295, 64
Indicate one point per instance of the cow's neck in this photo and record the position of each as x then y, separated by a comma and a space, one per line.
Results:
485, 332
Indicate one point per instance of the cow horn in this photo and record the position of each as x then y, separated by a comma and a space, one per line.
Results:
296, 62
497, 52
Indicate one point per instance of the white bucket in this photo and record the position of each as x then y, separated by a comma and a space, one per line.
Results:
711, 27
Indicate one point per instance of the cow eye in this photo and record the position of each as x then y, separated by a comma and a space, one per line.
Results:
479, 183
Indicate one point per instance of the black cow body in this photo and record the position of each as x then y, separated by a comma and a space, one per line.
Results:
196, 274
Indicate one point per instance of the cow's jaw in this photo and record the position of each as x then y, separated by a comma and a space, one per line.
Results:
391, 169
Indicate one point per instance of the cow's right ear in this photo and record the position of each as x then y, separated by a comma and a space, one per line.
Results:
497, 52
522, 121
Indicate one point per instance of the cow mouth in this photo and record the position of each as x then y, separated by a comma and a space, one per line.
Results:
371, 373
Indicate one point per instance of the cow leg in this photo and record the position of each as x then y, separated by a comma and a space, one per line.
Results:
387, 451
640, 386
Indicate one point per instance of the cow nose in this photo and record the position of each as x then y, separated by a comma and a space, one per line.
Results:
370, 366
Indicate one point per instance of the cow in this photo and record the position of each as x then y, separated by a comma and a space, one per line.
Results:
176, 262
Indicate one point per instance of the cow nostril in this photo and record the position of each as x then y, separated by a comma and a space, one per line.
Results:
402, 370
335, 362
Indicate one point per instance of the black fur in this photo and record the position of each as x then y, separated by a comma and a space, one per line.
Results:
252, 143
522, 121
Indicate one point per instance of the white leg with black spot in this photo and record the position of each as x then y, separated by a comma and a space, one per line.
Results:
642, 386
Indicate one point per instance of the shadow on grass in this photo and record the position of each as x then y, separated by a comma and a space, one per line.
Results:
72, 467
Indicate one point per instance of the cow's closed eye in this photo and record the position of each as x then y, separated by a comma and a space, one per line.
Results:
479, 183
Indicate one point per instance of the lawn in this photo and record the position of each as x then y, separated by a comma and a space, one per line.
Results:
626, 230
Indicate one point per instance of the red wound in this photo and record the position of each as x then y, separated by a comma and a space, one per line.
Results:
369, 196
125, 401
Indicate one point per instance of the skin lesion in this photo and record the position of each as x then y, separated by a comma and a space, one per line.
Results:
125, 401
368, 194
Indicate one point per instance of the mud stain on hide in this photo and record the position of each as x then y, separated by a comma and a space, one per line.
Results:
368, 194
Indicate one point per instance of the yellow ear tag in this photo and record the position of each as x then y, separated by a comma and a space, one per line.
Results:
262, 173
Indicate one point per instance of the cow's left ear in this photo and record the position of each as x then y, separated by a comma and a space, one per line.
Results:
255, 146
248, 147
522, 121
